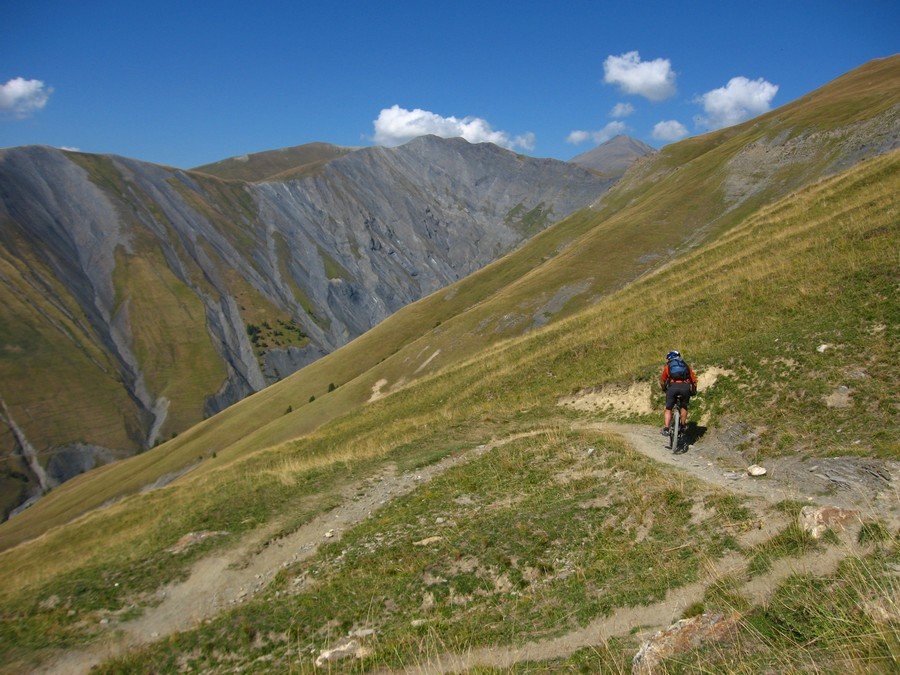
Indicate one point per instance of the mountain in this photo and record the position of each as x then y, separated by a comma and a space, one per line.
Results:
613, 157
485, 486
139, 299
687, 193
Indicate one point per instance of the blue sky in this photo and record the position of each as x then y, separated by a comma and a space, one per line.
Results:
190, 82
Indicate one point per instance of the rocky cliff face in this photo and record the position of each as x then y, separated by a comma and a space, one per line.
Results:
138, 299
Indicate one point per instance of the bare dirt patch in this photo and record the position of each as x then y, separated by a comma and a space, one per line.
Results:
633, 399
377, 390
709, 376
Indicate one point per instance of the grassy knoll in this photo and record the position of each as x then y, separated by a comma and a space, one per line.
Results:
839, 622
68, 378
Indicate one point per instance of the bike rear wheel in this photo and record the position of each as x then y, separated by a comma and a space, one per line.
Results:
675, 429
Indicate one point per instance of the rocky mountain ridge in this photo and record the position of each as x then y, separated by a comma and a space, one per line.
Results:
140, 298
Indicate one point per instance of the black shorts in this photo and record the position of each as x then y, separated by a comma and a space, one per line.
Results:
675, 388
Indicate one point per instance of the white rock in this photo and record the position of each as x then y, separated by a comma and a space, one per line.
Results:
361, 632
349, 648
427, 541
682, 636
818, 520
756, 470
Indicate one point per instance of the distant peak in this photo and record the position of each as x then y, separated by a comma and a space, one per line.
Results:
614, 156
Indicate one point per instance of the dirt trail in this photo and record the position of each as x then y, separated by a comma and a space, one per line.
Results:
233, 576
712, 462
641, 621
851, 482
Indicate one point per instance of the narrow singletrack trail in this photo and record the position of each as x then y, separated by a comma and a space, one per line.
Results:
794, 478
718, 467
641, 621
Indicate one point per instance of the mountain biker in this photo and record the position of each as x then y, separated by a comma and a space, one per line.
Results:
677, 378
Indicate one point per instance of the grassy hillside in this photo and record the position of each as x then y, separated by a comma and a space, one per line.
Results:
687, 194
530, 535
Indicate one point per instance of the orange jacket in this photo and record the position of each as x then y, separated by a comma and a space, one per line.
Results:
664, 378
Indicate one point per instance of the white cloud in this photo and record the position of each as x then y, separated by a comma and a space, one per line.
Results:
669, 130
525, 141
606, 133
22, 97
737, 101
396, 125
621, 110
577, 137
654, 80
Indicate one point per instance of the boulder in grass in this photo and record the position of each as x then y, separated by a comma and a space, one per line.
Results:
817, 520
681, 637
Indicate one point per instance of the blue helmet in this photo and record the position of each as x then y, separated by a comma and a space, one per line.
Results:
671, 355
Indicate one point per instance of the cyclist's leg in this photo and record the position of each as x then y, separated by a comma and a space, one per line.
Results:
671, 393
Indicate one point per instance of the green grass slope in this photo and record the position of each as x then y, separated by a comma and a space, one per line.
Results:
534, 537
92, 403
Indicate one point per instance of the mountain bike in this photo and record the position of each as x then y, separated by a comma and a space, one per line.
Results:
676, 430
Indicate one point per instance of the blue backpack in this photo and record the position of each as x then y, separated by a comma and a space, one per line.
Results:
678, 369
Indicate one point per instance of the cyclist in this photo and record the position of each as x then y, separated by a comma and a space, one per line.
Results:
677, 378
